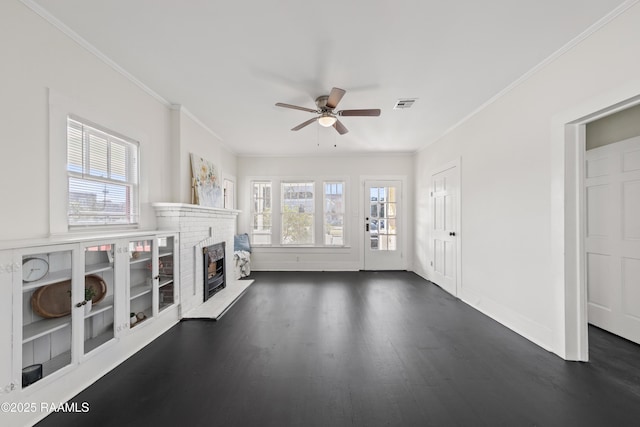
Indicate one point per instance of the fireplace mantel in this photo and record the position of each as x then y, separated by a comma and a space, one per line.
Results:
166, 207
196, 224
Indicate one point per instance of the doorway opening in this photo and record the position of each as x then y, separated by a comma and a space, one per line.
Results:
612, 223
569, 214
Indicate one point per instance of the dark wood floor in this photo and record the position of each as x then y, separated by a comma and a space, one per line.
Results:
364, 349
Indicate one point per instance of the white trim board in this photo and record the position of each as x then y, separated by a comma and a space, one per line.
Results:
568, 272
216, 306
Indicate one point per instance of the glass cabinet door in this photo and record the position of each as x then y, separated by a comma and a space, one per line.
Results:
140, 281
46, 313
99, 313
166, 270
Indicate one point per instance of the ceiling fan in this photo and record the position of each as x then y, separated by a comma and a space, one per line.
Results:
326, 115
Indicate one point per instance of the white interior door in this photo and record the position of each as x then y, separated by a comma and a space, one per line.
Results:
444, 221
384, 231
612, 240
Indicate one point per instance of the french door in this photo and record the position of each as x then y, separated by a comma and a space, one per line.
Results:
383, 228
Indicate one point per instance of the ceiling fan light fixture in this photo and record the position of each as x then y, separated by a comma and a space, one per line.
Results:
327, 120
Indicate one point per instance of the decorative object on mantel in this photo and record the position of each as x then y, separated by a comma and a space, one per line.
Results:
54, 300
207, 183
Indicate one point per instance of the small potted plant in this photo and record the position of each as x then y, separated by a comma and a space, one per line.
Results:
89, 293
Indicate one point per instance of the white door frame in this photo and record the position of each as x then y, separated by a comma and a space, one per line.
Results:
403, 214
456, 163
568, 216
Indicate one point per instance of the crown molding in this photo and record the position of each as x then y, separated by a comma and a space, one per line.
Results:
92, 49
623, 7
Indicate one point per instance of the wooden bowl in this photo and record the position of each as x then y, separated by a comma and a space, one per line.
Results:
55, 300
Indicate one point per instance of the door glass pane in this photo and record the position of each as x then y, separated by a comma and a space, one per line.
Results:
391, 210
392, 194
46, 314
140, 281
384, 227
166, 272
99, 288
373, 194
392, 226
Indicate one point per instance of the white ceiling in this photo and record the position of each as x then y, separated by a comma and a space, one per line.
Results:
229, 62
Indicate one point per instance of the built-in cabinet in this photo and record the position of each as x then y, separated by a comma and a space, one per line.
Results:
72, 299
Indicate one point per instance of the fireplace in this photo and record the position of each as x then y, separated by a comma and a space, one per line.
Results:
213, 262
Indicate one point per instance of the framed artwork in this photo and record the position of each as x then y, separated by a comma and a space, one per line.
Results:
207, 185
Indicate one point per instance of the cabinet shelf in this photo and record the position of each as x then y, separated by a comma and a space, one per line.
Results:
138, 291
56, 363
164, 254
139, 260
165, 282
50, 278
43, 327
93, 343
101, 307
97, 268
147, 316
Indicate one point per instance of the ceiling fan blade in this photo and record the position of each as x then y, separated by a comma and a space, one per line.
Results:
334, 97
340, 127
307, 123
370, 112
295, 107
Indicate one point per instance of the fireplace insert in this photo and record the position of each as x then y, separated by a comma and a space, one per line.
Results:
214, 275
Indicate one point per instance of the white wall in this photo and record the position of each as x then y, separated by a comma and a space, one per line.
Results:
194, 138
350, 168
506, 183
44, 70
37, 59
40, 65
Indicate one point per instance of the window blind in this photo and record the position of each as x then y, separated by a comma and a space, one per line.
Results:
103, 176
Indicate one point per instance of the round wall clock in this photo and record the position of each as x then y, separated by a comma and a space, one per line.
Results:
34, 269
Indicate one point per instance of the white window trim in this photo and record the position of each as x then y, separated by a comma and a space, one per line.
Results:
345, 202
111, 137
60, 107
252, 181
314, 234
350, 206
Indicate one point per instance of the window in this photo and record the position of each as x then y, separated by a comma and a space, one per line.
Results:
103, 175
261, 213
298, 208
334, 213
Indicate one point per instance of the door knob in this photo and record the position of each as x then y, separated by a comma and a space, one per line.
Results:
452, 233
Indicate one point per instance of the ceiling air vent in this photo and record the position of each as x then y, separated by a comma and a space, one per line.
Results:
404, 103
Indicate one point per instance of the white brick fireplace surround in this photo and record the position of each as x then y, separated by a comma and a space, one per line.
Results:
199, 227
